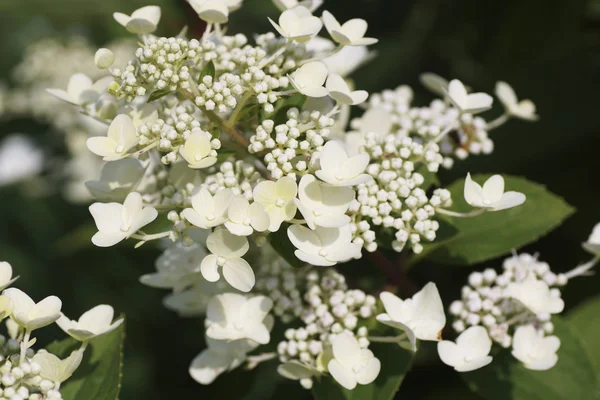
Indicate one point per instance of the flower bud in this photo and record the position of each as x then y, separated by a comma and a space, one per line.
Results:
104, 58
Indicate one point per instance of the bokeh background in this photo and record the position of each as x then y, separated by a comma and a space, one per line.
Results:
548, 50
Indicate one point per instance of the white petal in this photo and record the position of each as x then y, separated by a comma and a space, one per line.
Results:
449, 353
493, 188
474, 342
239, 274
474, 364
506, 94
209, 364
304, 239
343, 376
210, 269
473, 192
429, 318
346, 349
222, 243
369, 372
509, 200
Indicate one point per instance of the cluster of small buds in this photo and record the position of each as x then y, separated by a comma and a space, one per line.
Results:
292, 148
219, 94
330, 308
484, 302
281, 282
239, 176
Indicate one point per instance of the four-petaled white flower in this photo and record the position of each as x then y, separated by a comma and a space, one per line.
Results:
233, 316
30, 315
351, 33
340, 92
322, 204
117, 179
340, 170
92, 323
227, 250
121, 136
283, 5
352, 365
535, 294
142, 21
593, 243
244, 218
524, 109
310, 78
207, 210
491, 196
214, 11
278, 200
54, 369
533, 349
470, 352
421, 317
323, 246
469, 103
80, 90
6, 275
116, 222
297, 24
197, 150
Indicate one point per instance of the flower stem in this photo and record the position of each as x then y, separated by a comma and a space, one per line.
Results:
497, 122
154, 236
444, 132
387, 339
273, 56
474, 213
582, 269
24, 345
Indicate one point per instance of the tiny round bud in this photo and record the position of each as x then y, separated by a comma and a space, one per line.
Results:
104, 58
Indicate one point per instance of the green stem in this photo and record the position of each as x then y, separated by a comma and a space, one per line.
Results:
387, 339
233, 118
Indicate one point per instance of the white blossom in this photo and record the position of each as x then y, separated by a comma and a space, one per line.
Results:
593, 243
278, 200
340, 92
310, 78
533, 349
92, 323
227, 251
19, 159
351, 364
351, 33
233, 316
142, 21
30, 315
220, 356
470, 352
207, 210
80, 89
117, 179
535, 295
323, 246
283, 5
121, 137
421, 317
245, 217
215, 11
197, 150
55, 369
297, 24
524, 109
340, 170
468, 103
323, 205
491, 196
116, 222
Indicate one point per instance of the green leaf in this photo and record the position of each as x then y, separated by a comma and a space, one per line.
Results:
223, 155
496, 233
573, 377
395, 362
282, 245
99, 375
585, 319
157, 94
215, 132
209, 69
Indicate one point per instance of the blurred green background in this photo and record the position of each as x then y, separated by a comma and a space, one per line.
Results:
548, 50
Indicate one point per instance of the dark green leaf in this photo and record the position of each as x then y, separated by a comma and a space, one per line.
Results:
209, 69
99, 375
282, 245
157, 94
496, 233
395, 362
573, 377
223, 155
585, 319
215, 132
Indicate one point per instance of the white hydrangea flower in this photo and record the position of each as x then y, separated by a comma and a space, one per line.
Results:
207, 210
278, 200
472, 103
323, 205
535, 294
245, 218
340, 92
351, 33
80, 89
116, 222
211, 11
470, 352
491, 196
220, 356
283, 5
121, 137
92, 323
233, 316
421, 317
6, 275
142, 21
533, 349
351, 364
117, 179
593, 243
340, 170
524, 109
30, 315
227, 251
323, 246
310, 78
197, 150
297, 24
434, 83
20, 159
54, 369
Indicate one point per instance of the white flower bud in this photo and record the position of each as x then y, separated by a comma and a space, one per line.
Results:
104, 58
